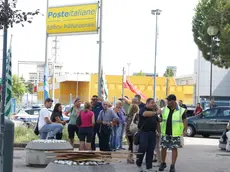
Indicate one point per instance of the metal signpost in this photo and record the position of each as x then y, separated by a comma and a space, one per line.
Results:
4, 58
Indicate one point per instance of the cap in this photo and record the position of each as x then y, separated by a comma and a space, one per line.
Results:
49, 100
171, 97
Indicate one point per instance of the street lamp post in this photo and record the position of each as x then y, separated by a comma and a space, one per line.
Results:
128, 64
212, 31
156, 12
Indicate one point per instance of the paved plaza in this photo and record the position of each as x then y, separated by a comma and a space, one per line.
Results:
199, 154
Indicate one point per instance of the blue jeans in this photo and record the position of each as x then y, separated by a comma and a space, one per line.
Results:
146, 146
52, 129
113, 138
120, 133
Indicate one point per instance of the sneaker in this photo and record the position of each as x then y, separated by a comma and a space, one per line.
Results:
162, 166
172, 168
140, 169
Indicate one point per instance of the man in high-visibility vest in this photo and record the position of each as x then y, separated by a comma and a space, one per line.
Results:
173, 128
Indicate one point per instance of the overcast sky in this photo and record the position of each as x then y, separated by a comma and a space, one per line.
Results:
128, 36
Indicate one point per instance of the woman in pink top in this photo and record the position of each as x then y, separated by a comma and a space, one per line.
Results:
86, 127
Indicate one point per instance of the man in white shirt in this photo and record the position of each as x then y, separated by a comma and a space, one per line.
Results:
45, 125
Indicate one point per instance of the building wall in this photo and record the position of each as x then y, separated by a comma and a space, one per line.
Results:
220, 81
114, 83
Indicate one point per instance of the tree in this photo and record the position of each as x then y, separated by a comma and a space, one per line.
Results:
18, 87
141, 73
169, 73
14, 15
213, 13
29, 87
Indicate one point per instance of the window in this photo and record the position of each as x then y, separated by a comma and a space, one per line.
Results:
210, 113
225, 112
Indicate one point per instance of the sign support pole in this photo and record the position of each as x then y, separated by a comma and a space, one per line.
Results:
46, 71
4, 58
100, 50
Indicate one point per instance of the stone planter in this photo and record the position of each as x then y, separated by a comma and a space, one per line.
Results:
35, 151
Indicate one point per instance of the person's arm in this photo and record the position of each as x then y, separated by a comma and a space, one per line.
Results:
185, 121
127, 100
46, 115
93, 119
151, 113
228, 126
68, 111
99, 118
115, 118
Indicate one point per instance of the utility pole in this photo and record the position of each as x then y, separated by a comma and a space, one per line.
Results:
2, 113
55, 41
156, 12
123, 80
100, 49
128, 64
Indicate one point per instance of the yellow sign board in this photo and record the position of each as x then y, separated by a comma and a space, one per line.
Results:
72, 19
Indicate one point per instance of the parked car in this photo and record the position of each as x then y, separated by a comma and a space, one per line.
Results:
210, 122
190, 110
30, 116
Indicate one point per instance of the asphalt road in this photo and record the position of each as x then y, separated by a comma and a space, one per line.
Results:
198, 154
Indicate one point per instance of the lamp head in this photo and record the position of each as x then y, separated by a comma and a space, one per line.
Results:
212, 30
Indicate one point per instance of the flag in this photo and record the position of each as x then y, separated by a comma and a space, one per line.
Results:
104, 88
45, 84
8, 83
134, 89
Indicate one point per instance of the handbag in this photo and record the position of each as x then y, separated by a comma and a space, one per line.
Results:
136, 137
78, 120
133, 127
36, 131
105, 129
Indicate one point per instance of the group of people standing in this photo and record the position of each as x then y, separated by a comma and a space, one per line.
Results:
156, 126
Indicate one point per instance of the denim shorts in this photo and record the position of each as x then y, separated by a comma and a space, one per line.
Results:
86, 134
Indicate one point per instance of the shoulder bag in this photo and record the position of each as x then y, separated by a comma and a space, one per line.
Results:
133, 127
78, 120
136, 137
36, 131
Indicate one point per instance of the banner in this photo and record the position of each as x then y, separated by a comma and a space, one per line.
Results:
72, 19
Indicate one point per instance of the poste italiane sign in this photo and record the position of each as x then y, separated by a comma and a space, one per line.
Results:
72, 19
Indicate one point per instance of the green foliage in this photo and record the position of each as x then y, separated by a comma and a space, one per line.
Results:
18, 87
14, 15
213, 13
23, 134
29, 87
141, 73
169, 73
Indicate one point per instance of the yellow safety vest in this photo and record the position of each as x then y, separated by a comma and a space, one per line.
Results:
177, 123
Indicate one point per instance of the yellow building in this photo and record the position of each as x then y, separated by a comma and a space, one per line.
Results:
85, 85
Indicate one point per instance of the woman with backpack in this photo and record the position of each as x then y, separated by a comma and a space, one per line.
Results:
131, 128
86, 124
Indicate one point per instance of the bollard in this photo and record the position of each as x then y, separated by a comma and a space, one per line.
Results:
8, 146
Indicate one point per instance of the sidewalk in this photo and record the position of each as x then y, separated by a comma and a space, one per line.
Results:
198, 155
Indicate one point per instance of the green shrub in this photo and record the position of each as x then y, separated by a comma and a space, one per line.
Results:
23, 134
